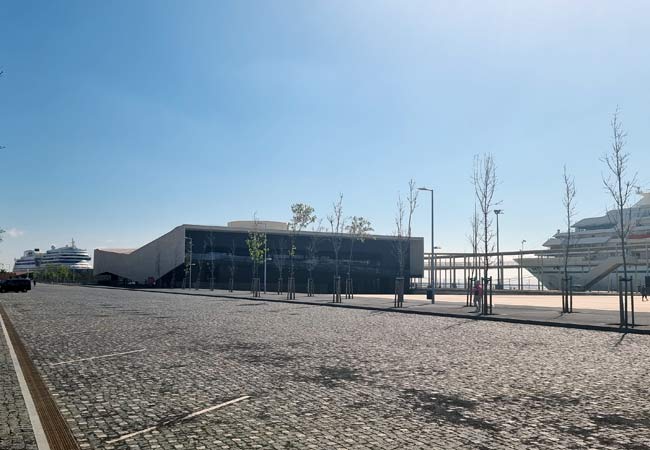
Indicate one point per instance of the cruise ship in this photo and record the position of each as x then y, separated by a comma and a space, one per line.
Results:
595, 259
68, 255
28, 263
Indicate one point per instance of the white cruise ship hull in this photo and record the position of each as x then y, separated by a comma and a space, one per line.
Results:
595, 260
68, 256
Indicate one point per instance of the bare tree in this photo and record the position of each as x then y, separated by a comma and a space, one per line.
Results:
302, 217
256, 244
400, 235
568, 201
485, 182
312, 257
358, 230
402, 232
620, 186
176, 257
412, 200
187, 276
399, 247
280, 259
337, 228
231, 256
201, 264
213, 256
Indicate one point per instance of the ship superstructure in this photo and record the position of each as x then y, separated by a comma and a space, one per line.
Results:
69, 256
595, 258
30, 262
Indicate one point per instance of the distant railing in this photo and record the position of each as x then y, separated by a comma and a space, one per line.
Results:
509, 285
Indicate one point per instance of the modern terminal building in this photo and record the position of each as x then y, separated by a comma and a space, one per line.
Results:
210, 253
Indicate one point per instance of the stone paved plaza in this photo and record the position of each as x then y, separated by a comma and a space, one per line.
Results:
15, 428
119, 362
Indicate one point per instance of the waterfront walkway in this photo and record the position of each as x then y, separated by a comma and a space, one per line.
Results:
597, 312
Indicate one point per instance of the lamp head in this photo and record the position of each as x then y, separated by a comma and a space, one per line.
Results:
424, 189
498, 211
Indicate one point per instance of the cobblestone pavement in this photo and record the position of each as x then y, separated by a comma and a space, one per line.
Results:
15, 427
326, 377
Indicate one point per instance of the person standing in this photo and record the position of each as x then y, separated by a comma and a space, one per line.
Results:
644, 293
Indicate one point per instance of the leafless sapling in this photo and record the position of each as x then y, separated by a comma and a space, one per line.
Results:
312, 257
568, 200
399, 247
280, 260
213, 255
188, 264
302, 217
620, 185
485, 182
231, 257
256, 244
358, 230
200, 262
337, 228
402, 232
412, 200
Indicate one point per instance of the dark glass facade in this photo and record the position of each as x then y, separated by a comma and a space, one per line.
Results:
373, 266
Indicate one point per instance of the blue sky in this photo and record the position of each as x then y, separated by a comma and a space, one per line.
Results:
124, 119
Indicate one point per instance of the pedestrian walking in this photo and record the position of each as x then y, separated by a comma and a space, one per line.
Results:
644, 293
477, 290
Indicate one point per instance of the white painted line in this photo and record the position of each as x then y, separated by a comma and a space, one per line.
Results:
37, 426
189, 416
98, 357
212, 408
127, 436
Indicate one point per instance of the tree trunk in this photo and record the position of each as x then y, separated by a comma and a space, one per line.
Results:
486, 241
621, 306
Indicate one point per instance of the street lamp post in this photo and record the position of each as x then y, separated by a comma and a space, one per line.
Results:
432, 265
498, 212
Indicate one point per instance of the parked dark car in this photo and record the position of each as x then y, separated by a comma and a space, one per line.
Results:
16, 285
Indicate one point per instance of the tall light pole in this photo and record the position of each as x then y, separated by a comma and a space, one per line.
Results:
432, 265
498, 212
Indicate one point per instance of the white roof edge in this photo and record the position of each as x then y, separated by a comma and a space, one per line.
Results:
304, 232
